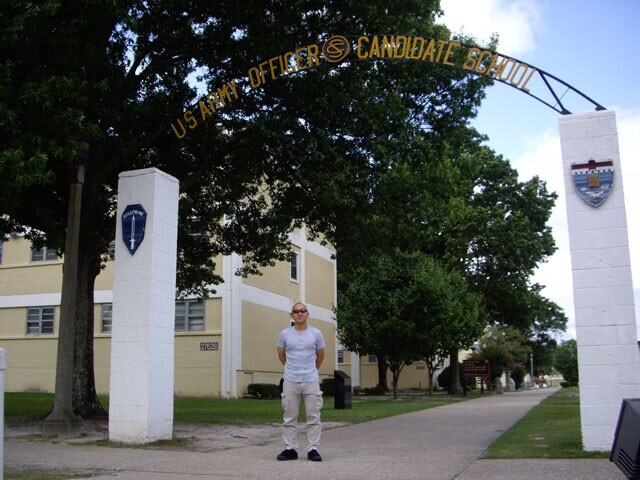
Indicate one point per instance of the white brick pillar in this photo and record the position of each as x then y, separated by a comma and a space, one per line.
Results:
608, 356
142, 334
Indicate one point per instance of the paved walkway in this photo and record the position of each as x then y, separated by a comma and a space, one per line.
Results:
442, 443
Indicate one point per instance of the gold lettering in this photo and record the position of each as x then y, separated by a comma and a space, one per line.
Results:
190, 119
272, 67
361, 53
374, 51
413, 55
387, 47
288, 63
509, 62
313, 52
184, 131
450, 48
212, 98
298, 58
429, 51
254, 77
232, 84
470, 63
524, 85
479, 68
223, 93
400, 42
512, 80
204, 111
497, 64
441, 44
263, 69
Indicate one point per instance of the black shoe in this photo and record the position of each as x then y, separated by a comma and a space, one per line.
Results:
288, 454
314, 456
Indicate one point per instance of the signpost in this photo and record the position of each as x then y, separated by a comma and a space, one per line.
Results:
478, 368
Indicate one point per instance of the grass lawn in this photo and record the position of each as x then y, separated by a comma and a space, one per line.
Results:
549, 430
217, 411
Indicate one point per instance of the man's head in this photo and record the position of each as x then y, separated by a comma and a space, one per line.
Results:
299, 313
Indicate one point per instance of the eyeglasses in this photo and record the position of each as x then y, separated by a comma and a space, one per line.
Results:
302, 310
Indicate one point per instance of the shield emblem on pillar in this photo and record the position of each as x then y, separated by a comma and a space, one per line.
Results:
593, 180
134, 220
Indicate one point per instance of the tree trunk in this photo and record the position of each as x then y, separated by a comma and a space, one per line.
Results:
85, 399
382, 373
454, 371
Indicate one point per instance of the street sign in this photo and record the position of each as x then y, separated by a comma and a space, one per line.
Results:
477, 368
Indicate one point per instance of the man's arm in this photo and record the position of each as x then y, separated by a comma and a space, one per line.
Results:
282, 355
319, 357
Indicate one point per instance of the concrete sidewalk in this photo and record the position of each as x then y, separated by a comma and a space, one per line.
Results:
437, 444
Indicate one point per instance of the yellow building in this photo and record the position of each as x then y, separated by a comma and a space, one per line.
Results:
222, 343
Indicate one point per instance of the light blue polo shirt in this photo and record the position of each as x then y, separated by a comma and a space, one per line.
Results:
300, 349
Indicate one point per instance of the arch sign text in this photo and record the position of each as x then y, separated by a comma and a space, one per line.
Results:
473, 59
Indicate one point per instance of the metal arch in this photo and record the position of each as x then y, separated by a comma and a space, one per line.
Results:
559, 107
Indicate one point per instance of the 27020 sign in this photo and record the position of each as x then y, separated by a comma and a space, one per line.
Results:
208, 346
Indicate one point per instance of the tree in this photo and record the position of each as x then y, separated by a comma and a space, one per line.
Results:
566, 361
300, 150
397, 303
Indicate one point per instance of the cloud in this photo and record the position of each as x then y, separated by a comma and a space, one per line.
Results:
513, 21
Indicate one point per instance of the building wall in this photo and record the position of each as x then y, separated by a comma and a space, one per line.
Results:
257, 309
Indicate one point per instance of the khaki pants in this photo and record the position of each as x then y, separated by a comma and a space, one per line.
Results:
292, 393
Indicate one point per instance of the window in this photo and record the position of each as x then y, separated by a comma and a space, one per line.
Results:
40, 320
293, 259
340, 356
107, 310
42, 254
189, 315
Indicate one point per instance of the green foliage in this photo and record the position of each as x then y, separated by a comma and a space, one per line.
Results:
498, 356
264, 391
328, 386
444, 378
566, 361
518, 374
398, 302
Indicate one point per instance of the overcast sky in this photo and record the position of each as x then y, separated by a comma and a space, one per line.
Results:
590, 44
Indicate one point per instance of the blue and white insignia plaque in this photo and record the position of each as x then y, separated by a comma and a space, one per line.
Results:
134, 220
593, 180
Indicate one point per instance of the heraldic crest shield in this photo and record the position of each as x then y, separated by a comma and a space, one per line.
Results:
134, 221
593, 180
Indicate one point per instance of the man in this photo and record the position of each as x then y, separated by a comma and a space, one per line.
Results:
301, 351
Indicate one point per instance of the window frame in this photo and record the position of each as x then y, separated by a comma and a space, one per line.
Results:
103, 326
40, 320
45, 253
294, 266
198, 314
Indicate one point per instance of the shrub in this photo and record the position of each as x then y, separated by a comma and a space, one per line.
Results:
377, 390
264, 391
328, 386
566, 361
518, 374
565, 384
444, 380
